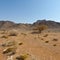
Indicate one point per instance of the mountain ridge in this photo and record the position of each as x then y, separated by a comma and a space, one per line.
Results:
13, 25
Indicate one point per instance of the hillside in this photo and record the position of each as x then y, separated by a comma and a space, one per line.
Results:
11, 25
44, 46
18, 42
49, 23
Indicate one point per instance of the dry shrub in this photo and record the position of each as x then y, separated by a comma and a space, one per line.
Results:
13, 34
42, 39
22, 57
2, 32
9, 43
46, 41
54, 45
40, 28
20, 43
24, 34
9, 51
55, 39
45, 35
4, 36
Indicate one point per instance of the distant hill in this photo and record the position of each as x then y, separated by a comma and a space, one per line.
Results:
6, 24
49, 23
12, 25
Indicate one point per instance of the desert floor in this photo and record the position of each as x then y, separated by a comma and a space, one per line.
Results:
44, 46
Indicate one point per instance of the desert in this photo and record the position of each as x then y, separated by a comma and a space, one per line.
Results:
23, 44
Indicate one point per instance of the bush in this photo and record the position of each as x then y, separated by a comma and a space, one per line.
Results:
55, 39
54, 45
46, 35
46, 41
13, 34
42, 39
24, 34
9, 43
4, 36
20, 43
21, 57
3, 32
9, 51
40, 28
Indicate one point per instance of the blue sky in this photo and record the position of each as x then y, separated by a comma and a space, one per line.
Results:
28, 11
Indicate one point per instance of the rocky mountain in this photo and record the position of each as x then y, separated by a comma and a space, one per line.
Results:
49, 23
6, 24
12, 25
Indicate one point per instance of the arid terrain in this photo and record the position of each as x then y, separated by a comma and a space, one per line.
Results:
15, 43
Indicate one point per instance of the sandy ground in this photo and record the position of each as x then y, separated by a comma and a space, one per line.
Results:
35, 45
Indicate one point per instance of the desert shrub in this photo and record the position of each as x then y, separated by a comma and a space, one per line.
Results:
4, 36
24, 34
45, 35
46, 41
20, 43
21, 57
9, 51
3, 32
13, 34
55, 39
9, 43
42, 39
40, 28
3, 45
54, 45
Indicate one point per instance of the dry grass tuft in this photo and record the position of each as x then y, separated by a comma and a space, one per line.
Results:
13, 34
9, 51
20, 43
55, 39
4, 36
22, 57
46, 41
45, 35
24, 34
9, 43
54, 45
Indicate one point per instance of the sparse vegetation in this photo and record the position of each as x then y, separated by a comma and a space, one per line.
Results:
2, 32
13, 34
46, 41
42, 39
20, 43
40, 28
45, 35
22, 57
9, 51
9, 43
55, 39
54, 45
4, 36
24, 34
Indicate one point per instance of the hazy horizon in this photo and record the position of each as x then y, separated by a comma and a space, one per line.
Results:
27, 22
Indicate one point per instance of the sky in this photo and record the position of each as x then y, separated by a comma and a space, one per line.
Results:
29, 11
